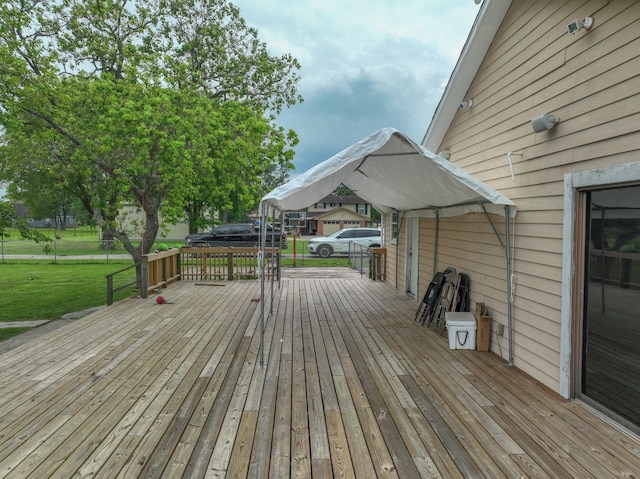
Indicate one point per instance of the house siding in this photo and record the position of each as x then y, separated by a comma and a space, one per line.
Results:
395, 266
591, 81
337, 219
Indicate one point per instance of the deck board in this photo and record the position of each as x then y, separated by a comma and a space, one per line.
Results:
351, 386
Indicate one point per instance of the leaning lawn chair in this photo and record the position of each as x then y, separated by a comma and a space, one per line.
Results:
447, 299
430, 299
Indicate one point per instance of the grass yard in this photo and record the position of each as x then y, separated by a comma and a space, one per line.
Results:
33, 290
37, 289
6, 333
72, 241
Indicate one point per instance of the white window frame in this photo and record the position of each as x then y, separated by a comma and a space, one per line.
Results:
394, 228
574, 183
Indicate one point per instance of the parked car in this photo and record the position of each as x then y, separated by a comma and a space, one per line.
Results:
339, 241
239, 235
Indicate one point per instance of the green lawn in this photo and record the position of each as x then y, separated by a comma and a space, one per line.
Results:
34, 290
6, 333
43, 289
73, 241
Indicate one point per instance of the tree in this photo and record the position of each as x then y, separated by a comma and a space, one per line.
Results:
8, 219
246, 147
343, 190
45, 197
166, 105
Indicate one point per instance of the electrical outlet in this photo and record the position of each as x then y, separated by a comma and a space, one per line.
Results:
500, 329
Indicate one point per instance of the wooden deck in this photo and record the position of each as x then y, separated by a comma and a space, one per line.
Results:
351, 387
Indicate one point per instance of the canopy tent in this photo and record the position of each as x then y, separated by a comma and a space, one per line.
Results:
395, 174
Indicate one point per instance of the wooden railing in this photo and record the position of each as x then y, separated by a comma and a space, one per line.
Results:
204, 264
615, 268
159, 270
111, 289
378, 264
220, 264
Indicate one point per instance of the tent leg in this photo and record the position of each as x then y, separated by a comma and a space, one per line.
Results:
273, 256
263, 244
400, 222
507, 250
506, 247
435, 248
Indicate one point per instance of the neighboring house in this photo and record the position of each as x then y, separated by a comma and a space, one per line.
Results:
576, 234
334, 212
51, 223
132, 219
334, 220
22, 211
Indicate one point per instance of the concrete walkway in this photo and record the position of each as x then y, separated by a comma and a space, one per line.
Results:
39, 328
22, 324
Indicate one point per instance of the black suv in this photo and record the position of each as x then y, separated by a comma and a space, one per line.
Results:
239, 235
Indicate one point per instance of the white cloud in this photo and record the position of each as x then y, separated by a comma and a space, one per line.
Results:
366, 64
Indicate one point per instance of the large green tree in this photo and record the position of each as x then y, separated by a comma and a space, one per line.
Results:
165, 105
8, 219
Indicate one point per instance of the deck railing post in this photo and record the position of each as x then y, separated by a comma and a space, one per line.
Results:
178, 259
164, 268
230, 266
109, 290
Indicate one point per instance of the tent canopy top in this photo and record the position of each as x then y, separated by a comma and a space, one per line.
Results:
393, 173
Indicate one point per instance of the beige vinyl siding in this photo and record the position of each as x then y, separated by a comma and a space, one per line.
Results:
591, 81
395, 254
425, 257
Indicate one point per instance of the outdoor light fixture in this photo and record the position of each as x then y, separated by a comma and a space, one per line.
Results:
465, 104
577, 25
544, 122
446, 154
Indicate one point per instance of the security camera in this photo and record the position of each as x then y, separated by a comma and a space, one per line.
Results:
574, 26
465, 104
578, 25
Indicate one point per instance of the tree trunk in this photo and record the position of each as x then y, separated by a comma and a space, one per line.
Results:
149, 234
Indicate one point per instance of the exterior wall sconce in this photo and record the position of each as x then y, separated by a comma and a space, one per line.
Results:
544, 122
577, 25
446, 154
465, 104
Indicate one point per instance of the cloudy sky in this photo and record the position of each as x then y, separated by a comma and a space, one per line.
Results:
366, 64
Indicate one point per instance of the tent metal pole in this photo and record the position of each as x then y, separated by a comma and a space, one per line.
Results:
263, 244
509, 292
506, 247
273, 255
435, 249
400, 223
397, 240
